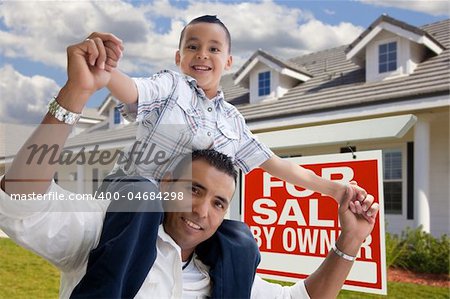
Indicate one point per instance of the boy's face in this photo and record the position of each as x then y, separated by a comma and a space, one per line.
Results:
204, 55
211, 191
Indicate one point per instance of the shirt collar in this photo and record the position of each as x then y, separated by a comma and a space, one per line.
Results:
193, 83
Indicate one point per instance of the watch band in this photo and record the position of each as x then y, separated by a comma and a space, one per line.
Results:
62, 114
343, 255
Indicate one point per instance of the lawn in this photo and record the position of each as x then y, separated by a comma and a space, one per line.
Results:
24, 275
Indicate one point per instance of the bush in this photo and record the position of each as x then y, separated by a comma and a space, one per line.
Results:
419, 251
395, 247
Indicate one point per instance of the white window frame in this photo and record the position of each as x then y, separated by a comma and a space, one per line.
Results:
402, 150
400, 58
270, 83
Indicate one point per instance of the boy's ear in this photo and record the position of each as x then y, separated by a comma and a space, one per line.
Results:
177, 58
229, 62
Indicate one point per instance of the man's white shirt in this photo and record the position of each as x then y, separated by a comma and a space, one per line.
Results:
65, 239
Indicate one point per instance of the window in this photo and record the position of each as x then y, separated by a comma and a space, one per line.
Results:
263, 83
117, 117
387, 57
393, 181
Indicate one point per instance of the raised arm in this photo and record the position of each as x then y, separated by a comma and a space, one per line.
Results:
89, 69
120, 85
327, 280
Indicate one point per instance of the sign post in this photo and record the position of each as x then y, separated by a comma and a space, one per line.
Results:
295, 228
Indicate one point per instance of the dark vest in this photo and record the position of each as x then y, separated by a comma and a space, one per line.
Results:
118, 266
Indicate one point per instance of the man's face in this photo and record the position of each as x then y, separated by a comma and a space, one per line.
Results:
211, 192
204, 55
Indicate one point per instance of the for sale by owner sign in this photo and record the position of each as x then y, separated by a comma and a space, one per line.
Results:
295, 228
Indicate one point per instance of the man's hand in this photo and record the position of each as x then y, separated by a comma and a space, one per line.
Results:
357, 217
90, 63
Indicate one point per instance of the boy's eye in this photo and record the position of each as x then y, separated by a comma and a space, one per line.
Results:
191, 47
215, 50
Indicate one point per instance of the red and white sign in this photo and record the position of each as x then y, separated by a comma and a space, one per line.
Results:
295, 228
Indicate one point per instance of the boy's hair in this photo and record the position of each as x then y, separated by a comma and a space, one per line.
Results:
207, 19
214, 158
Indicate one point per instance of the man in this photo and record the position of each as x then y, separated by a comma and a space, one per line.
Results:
68, 238
184, 242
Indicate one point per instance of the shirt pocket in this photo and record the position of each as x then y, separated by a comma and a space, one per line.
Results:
183, 116
227, 140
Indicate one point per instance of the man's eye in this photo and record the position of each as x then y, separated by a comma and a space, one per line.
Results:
219, 204
195, 190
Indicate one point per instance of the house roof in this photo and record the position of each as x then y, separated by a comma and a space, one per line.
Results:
298, 71
102, 137
92, 114
109, 100
338, 83
356, 50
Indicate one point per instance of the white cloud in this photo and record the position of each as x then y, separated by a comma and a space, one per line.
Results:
24, 99
41, 31
432, 7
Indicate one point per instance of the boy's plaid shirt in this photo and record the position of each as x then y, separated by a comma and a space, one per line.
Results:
175, 116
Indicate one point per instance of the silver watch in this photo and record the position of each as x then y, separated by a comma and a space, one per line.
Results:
62, 114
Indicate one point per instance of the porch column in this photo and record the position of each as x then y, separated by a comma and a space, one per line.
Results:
422, 174
80, 179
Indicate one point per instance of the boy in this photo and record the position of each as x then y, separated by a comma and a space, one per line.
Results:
193, 99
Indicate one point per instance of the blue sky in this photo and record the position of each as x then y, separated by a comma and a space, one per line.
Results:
35, 35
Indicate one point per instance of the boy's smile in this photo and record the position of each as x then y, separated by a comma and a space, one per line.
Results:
204, 55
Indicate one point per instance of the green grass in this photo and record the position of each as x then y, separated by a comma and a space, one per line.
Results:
25, 275
396, 290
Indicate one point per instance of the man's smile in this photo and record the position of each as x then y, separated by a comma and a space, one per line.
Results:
191, 224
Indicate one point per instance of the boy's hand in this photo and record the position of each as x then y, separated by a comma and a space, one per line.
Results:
359, 202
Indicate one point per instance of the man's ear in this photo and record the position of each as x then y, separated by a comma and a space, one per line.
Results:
177, 57
229, 62
166, 182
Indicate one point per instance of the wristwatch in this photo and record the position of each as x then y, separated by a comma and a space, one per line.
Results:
62, 114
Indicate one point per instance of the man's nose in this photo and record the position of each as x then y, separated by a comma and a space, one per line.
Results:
200, 207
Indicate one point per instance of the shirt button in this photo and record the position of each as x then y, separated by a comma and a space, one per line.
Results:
209, 133
209, 109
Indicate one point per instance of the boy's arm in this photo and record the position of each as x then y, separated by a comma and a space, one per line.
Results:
299, 176
122, 87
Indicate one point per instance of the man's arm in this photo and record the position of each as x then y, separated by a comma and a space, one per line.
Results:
327, 280
89, 69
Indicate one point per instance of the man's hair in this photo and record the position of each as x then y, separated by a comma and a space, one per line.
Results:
207, 19
214, 158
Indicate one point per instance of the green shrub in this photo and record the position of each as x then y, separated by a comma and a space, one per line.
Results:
395, 247
422, 252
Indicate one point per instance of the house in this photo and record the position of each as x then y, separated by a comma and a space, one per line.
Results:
387, 90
